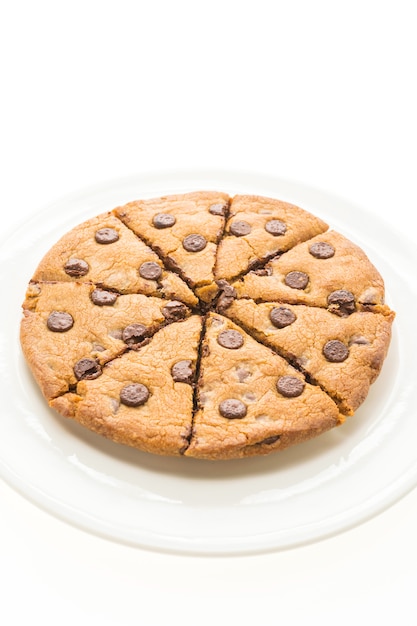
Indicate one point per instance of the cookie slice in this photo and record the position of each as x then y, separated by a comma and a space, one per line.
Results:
327, 271
104, 252
70, 330
258, 228
251, 401
184, 230
143, 399
344, 355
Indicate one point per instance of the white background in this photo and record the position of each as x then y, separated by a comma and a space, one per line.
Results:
321, 92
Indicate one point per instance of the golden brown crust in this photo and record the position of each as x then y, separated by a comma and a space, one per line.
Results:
349, 269
192, 216
365, 335
249, 374
85, 348
162, 424
115, 265
96, 333
237, 253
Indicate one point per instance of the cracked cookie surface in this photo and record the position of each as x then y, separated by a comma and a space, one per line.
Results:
121, 261
185, 230
344, 355
250, 400
259, 228
136, 400
206, 326
303, 275
100, 326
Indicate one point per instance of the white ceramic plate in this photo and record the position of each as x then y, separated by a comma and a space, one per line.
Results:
177, 504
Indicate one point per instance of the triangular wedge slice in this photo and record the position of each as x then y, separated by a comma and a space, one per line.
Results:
142, 398
184, 230
69, 323
258, 228
104, 252
251, 401
344, 355
327, 271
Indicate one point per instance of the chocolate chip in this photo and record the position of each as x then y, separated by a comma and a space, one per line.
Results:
194, 243
290, 386
133, 395
270, 440
106, 235
226, 288
174, 311
163, 220
218, 209
359, 341
232, 409
341, 301
227, 295
264, 271
321, 250
242, 374
134, 334
100, 297
182, 372
150, 270
296, 280
231, 339
224, 302
202, 398
335, 351
87, 369
76, 268
60, 321
276, 227
240, 228
170, 263
281, 317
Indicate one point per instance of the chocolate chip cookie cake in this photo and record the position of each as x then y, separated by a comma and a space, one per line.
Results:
206, 326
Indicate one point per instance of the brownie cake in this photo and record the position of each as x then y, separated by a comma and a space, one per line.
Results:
206, 326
